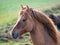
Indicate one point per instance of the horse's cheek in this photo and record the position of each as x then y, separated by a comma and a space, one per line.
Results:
29, 28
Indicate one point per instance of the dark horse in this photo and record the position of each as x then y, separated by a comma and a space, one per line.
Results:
56, 20
40, 26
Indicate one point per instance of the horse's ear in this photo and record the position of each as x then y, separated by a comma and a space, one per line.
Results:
27, 7
22, 6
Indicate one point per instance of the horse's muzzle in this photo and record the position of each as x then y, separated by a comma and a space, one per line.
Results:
14, 35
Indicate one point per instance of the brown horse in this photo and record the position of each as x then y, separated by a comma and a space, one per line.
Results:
40, 26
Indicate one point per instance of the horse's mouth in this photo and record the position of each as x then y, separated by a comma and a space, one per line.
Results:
15, 35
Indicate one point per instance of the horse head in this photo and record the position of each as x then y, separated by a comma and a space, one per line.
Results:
24, 23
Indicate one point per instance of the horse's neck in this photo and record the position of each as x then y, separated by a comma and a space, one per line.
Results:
58, 38
40, 36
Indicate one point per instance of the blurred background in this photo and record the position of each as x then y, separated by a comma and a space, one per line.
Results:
9, 13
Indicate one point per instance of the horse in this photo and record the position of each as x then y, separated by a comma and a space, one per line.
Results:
56, 20
41, 27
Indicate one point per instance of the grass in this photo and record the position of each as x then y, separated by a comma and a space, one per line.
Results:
9, 13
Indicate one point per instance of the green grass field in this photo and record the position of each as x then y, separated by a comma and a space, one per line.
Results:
9, 13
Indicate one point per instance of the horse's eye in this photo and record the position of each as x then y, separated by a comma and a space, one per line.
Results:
24, 20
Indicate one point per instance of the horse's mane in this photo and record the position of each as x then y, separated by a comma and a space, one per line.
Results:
47, 22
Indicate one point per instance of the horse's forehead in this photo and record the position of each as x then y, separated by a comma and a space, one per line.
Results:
22, 12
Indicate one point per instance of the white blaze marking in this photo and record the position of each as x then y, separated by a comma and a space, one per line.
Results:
19, 18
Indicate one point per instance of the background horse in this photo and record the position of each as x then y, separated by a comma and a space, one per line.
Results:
40, 26
56, 20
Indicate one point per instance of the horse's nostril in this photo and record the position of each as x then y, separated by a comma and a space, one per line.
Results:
14, 35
